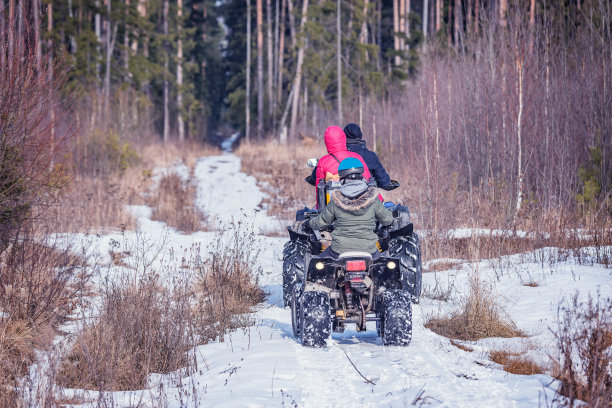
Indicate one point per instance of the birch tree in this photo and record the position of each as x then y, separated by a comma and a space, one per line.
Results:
179, 71
297, 83
260, 82
166, 90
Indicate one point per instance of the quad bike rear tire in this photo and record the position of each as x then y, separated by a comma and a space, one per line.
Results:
408, 249
315, 319
395, 313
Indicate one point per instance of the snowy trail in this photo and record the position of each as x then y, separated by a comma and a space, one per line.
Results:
264, 365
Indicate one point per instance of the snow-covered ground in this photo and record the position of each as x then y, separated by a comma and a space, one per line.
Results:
264, 365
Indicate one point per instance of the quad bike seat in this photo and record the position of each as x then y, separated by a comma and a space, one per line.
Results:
354, 254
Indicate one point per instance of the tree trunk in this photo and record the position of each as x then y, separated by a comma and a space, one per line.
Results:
407, 26
477, 17
110, 45
503, 11
50, 72
519, 195
275, 61
126, 41
425, 18
298, 72
291, 24
247, 125
281, 53
339, 58
379, 34
98, 31
438, 15
402, 23
179, 71
10, 31
396, 42
470, 7
270, 52
166, 91
457, 23
260, 84
363, 34
3, 32
20, 21
36, 18
531, 24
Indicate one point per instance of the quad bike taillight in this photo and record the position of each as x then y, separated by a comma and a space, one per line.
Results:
356, 265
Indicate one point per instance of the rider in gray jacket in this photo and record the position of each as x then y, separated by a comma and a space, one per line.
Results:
354, 210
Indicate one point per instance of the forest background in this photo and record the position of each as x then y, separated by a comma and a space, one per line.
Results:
504, 102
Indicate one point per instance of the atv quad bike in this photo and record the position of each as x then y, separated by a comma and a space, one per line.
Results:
327, 294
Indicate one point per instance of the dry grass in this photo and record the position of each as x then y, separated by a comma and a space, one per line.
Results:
515, 363
173, 203
479, 316
584, 351
143, 328
94, 203
442, 266
280, 171
461, 346
39, 287
227, 283
149, 325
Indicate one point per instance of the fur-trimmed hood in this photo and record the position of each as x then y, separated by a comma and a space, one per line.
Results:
358, 204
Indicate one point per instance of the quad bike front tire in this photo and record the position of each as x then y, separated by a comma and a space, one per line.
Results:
315, 319
395, 318
293, 268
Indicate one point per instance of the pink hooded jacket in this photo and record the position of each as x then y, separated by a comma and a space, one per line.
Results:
335, 142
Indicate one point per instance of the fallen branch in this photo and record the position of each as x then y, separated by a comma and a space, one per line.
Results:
356, 369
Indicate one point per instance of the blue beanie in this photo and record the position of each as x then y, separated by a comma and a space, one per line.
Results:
350, 165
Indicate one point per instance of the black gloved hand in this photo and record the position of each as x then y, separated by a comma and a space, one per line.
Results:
391, 186
305, 226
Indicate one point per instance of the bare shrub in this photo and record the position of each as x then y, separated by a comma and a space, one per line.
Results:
515, 363
92, 204
227, 283
173, 203
439, 291
479, 316
148, 324
142, 328
32, 164
40, 286
583, 360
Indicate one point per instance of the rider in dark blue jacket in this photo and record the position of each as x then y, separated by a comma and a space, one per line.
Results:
354, 143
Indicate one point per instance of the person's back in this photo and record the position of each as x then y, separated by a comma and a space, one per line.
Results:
335, 142
355, 144
354, 210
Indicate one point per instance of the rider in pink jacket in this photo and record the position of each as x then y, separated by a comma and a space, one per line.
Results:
335, 142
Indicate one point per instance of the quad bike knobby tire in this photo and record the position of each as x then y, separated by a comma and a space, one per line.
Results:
408, 249
314, 319
293, 267
395, 313
295, 310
